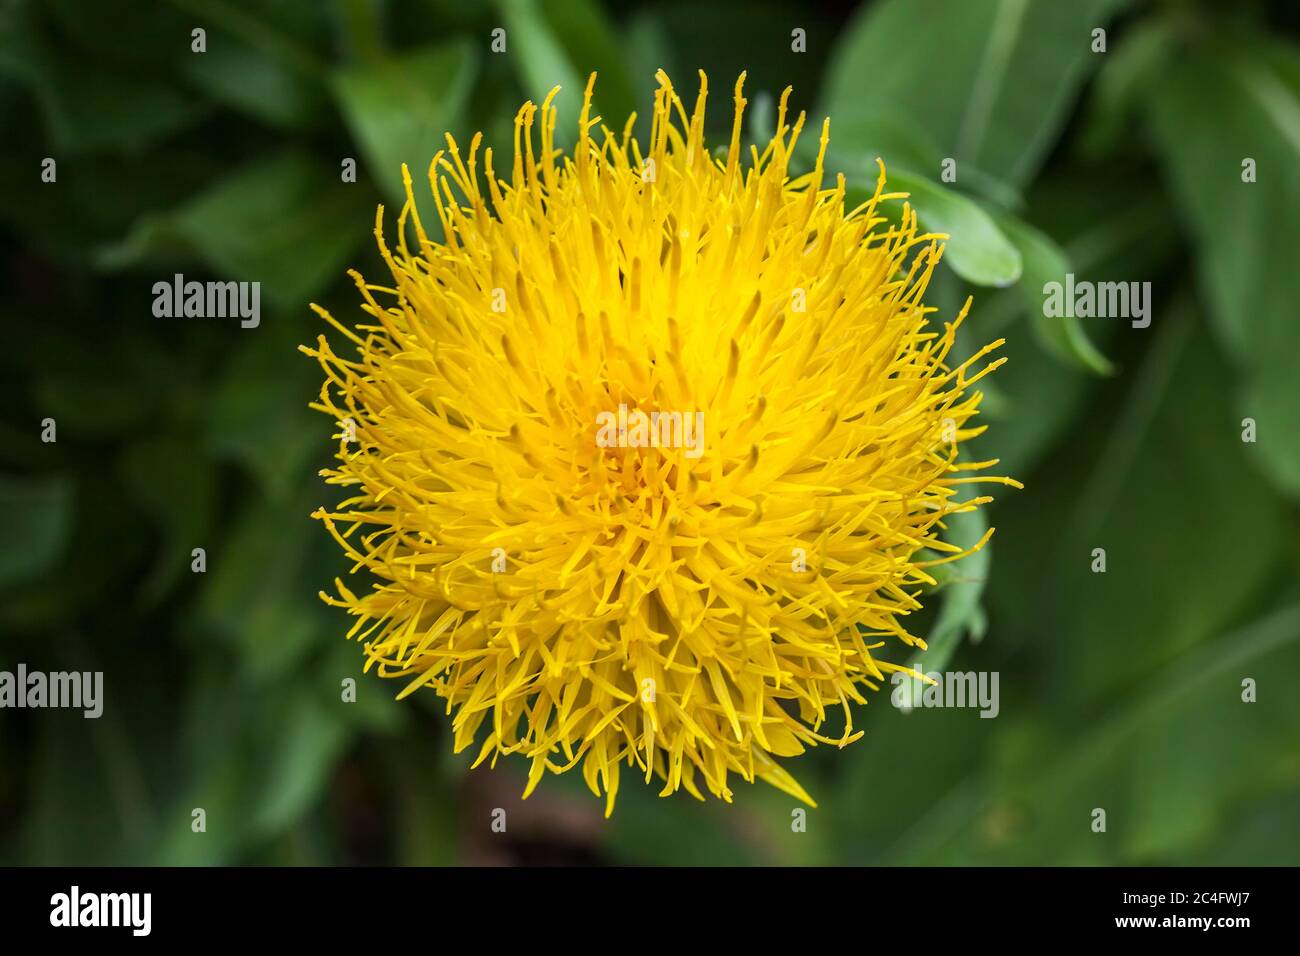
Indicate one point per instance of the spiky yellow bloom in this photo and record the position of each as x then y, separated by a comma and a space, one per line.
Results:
692, 597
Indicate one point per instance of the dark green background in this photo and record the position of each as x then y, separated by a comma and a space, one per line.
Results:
1119, 691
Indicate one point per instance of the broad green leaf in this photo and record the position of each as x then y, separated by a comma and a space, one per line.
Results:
1177, 756
259, 57
95, 562
311, 735
542, 63
88, 105
173, 482
975, 249
900, 782
959, 597
857, 142
1046, 262
95, 785
991, 80
400, 109
288, 222
1212, 114
38, 520
94, 406
260, 591
1264, 832
288, 33
253, 761
1139, 683
592, 44
1271, 400
248, 80
257, 414
96, 199
648, 48
1143, 487
1140, 54
1139, 240
78, 817
681, 37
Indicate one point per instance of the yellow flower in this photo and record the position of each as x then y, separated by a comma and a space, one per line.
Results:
584, 589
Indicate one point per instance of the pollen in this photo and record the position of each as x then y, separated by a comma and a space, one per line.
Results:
694, 595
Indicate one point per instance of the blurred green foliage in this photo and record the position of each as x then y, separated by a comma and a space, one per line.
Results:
1119, 690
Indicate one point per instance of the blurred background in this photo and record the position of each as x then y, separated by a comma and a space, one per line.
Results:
1118, 155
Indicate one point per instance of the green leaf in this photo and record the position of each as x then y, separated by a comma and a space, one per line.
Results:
64, 826
592, 44
901, 780
311, 735
89, 106
648, 830
1138, 239
542, 63
976, 249
1184, 747
260, 593
856, 142
94, 785
359, 29
1161, 464
171, 480
1130, 695
561, 43
258, 56
960, 612
1262, 833
286, 32
400, 109
1211, 113
1135, 63
246, 79
1045, 262
38, 518
94, 406
992, 81
96, 199
288, 222
648, 48
257, 412
254, 762
1272, 400
725, 39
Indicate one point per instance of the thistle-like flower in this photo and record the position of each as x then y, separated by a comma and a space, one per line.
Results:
649, 454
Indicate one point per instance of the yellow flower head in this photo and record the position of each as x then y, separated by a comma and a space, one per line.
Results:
643, 452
